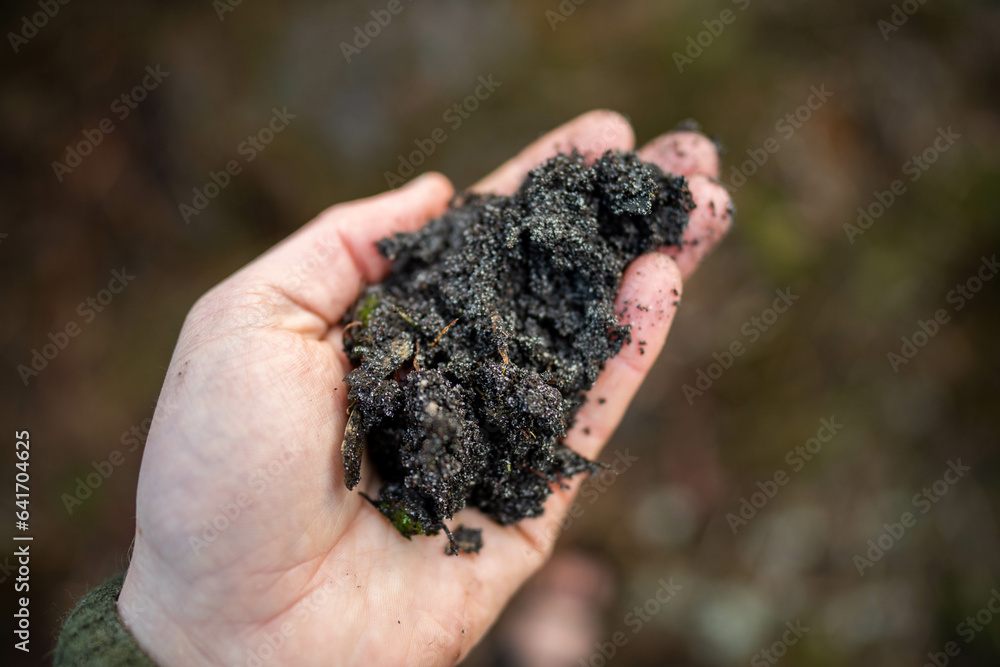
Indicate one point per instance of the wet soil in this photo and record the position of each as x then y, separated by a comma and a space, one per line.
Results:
474, 355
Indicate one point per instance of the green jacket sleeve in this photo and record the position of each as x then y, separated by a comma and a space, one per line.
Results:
94, 635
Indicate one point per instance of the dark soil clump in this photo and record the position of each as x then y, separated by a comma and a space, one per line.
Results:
474, 355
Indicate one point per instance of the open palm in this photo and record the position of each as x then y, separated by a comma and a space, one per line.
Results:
249, 549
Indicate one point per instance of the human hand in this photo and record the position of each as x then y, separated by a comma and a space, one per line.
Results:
248, 546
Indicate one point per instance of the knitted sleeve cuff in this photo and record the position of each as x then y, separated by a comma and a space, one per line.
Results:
94, 635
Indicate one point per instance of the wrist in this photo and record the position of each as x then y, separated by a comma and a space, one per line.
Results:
145, 607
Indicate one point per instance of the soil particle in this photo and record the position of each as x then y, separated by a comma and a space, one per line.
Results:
464, 540
474, 355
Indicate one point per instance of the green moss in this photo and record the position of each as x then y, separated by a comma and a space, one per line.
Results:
366, 308
405, 524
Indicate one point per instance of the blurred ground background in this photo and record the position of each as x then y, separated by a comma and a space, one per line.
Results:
826, 357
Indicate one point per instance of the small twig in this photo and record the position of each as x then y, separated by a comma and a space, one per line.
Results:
452, 548
407, 318
442, 333
352, 324
502, 344
539, 474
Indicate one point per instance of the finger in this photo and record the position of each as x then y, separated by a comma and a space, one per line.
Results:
592, 134
683, 152
695, 156
318, 272
709, 223
648, 300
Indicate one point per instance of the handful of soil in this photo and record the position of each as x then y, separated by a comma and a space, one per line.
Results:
474, 355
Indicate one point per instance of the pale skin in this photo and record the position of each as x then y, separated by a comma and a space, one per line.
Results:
247, 433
